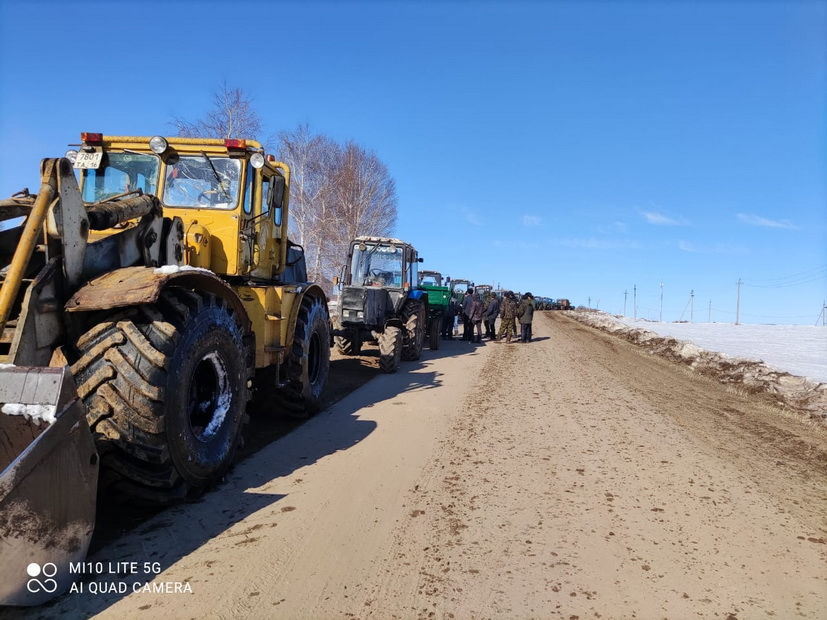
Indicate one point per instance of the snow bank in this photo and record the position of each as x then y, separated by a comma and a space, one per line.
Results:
797, 349
754, 375
33, 413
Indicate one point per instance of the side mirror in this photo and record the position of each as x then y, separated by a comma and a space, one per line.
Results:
420, 260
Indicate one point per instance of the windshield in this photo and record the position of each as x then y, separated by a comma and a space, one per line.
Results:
377, 265
120, 173
430, 279
198, 181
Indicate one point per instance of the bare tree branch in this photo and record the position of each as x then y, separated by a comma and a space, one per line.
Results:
232, 116
337, 193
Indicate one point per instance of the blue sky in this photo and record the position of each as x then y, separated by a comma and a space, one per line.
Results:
571, 149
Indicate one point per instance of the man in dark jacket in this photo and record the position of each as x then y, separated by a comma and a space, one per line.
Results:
525, 312
492, 309
448, 320
467, 324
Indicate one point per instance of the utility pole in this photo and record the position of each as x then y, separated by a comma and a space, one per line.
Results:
691, 305
661, 303
625, 293
634, 301
709, 318
590, 303
738, 305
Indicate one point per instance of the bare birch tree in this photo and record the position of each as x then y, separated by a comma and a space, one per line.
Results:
337, 193
312, 159
232, 116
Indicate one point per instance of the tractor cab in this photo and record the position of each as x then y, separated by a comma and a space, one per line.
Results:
431, 278
226, 190
458, 288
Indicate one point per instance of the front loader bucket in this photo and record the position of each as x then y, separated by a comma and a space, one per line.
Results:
48, 484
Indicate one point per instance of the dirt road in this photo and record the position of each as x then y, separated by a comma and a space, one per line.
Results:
572, 477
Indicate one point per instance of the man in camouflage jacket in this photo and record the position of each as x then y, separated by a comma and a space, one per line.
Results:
508, 312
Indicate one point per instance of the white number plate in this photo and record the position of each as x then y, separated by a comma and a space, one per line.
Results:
88, 160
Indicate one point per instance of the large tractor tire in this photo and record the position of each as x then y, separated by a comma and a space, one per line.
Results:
435, 332
166, 390
390, 348
350, 344
308, 362
414, 316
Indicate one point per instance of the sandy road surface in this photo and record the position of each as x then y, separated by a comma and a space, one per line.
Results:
573, 477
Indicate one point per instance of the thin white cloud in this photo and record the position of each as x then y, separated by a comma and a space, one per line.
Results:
615, 228
471, 216
757, 220
659, 219
717, 248
591, 243
531, 220
516, 245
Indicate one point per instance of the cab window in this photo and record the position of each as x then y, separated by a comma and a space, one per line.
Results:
203, 181
248, 189
265, 195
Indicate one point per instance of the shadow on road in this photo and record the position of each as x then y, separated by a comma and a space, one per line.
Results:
276, 447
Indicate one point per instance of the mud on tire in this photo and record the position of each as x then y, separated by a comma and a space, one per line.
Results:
348, 345
166, 389
413, 336
308, 361
390, 348
435, 332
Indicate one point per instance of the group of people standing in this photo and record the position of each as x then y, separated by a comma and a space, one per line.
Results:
476, 311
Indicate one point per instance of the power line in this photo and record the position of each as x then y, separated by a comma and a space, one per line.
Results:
807, 277
793, 276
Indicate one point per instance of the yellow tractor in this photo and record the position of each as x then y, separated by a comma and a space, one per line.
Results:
147, 288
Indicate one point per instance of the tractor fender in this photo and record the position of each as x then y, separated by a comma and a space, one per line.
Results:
302, 291
132, 286
418, 294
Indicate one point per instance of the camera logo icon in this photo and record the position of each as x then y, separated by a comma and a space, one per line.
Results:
41, 577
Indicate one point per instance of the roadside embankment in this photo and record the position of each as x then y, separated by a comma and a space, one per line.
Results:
791, 392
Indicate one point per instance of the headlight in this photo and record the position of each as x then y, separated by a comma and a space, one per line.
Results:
71, 155
257, 160
158, 144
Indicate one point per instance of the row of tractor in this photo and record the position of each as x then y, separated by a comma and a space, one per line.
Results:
385, 299
147, 291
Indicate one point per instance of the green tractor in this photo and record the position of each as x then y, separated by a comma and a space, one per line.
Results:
483, 289
439, 297
458, 288
380, 301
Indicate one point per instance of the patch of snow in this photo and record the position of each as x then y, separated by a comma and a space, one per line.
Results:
225, 398
761, 358
33, 413
4, 366
797, 349
167, 270
221, 409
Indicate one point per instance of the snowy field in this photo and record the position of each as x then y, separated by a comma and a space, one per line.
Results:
788, 363
797, 349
